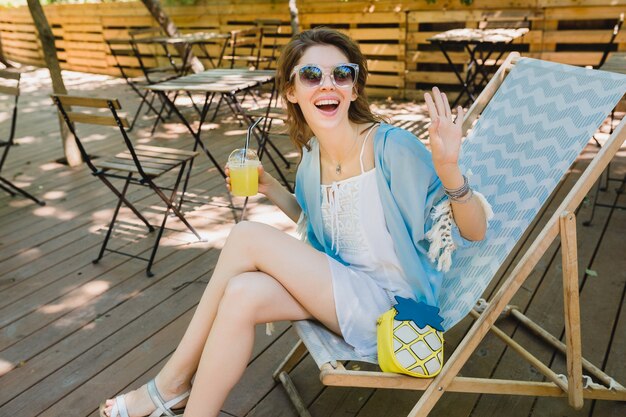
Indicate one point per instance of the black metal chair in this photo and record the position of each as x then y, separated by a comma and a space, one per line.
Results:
139, 165
10, 86
140, 38
124, 55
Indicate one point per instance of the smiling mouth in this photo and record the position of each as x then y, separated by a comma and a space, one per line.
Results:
327, 105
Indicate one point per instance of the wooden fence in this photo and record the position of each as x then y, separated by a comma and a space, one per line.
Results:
392, 34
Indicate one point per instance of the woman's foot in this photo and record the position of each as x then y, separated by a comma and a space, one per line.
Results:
144, 401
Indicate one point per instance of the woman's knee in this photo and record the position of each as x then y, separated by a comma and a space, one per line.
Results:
242, 297
241, 235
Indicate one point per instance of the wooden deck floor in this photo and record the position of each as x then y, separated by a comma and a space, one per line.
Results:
73, 333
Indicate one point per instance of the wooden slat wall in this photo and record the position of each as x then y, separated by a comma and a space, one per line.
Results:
392, 34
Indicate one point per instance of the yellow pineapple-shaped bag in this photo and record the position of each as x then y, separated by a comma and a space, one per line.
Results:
410, 339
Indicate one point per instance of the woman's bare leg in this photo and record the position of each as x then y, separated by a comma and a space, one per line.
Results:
249, 299
300, 269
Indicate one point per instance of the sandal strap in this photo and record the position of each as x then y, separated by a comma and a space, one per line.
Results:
156, 398
163, 408
176, 400
119, 408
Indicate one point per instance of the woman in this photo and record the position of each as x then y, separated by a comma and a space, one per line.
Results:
365, 195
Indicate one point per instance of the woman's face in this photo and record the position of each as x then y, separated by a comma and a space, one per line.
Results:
324, 106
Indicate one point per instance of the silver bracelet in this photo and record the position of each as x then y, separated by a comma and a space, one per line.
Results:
462, 200
456, 193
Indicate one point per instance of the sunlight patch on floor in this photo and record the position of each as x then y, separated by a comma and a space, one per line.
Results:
79, 297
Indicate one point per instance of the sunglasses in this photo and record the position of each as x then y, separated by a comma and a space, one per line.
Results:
311, 75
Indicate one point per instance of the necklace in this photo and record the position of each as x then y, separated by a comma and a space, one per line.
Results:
338, 163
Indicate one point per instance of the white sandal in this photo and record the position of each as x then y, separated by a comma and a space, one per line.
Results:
162, 408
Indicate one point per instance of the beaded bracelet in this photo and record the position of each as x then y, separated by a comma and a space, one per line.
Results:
460, 192
464, 199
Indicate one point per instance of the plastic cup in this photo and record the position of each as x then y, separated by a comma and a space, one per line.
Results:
244, 172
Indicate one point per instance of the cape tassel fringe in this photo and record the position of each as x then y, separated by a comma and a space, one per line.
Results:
440, 235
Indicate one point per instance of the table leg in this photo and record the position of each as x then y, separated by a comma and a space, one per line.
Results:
464, 89
196, 135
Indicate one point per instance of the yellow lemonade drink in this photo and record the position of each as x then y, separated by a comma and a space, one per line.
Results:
244, 178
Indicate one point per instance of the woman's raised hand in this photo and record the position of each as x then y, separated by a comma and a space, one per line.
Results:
445, 131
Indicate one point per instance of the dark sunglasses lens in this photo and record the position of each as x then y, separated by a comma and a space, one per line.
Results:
310, 75
344, 75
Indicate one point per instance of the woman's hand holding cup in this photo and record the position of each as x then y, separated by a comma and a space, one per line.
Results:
265, 180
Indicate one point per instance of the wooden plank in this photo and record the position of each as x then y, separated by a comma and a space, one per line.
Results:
9, 74
94, 119
571, 309
396, 81
382, 49
573, 58
30, 37
385, 66
84, 101
581, 36
83, 37
13, 43
444, 16
85, 62
12, 91
308, 19
584, 13
385, 92
433, 77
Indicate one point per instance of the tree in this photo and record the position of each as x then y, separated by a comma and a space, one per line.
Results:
72, 154
170, 29
295, 20
3, 60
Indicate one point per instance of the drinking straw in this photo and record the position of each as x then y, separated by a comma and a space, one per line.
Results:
243, 157
252, 126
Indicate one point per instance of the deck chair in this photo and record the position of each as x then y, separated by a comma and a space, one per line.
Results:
535, 119
10, 86
138, 165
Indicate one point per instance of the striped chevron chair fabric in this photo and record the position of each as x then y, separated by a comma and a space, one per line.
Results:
527, 137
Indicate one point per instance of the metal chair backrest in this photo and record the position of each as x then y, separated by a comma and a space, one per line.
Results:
248, 40
139, 35
66, 105
10, 86
270, 31
123, 53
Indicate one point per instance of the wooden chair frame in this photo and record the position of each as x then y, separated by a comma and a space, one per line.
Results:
5, 145
562, 223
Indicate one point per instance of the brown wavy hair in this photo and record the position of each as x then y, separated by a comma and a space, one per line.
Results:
359, 111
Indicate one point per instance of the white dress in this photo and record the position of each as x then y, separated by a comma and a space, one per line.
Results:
363, 289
